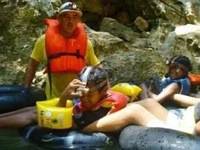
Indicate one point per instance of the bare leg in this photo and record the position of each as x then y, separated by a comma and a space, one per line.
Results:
132, 114
185, 100
20, 119
154, 107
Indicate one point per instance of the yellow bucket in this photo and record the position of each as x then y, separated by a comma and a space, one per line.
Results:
52, 116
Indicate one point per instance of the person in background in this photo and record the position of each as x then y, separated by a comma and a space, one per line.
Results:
176, 81
65, 49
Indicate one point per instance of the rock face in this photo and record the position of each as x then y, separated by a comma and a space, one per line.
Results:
184, 40
133, 66
132, 37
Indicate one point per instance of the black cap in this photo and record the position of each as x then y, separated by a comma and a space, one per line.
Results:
69, 7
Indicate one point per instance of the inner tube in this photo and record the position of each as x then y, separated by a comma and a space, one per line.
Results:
8, 89
142, 138
13, 97
66, 139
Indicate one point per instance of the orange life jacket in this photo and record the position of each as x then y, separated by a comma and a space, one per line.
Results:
114, 100
194, 78
65, 54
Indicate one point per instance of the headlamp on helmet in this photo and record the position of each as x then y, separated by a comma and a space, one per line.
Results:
69, 7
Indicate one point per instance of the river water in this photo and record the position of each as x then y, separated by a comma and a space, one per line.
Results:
11, 140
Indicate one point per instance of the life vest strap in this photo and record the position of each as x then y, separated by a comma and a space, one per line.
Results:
56, 55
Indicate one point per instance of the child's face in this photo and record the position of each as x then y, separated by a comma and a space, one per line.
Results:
93, 96
176, 71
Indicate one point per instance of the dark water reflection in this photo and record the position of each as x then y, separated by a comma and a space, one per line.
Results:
11, 140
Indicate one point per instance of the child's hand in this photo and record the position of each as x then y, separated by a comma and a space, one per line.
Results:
80, 91
75, 88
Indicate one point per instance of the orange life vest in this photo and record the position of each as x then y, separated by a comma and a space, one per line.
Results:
194, 78
114, 100
65, 54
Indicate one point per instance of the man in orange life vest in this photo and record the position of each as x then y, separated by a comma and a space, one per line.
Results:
64, 47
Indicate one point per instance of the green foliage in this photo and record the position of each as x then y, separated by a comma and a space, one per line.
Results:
19, 28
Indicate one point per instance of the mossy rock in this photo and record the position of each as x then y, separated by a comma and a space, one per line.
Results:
133, 66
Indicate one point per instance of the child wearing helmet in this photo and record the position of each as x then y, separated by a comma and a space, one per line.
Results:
176, 80
178, 68
92, 96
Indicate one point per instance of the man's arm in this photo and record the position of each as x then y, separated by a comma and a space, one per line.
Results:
37, 56
30, 72
91, 58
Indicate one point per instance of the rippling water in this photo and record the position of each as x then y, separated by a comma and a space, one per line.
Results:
11, 140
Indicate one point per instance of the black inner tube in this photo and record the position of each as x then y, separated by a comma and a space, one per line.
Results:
142, 138
67, 139
13, 97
